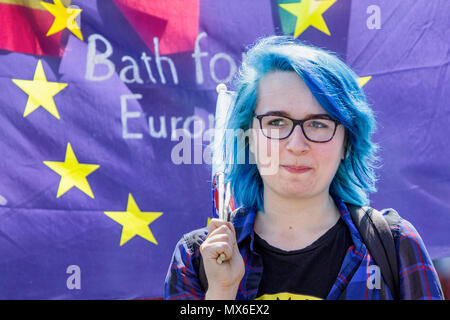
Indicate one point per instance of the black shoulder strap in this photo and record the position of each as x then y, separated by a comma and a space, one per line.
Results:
378, 238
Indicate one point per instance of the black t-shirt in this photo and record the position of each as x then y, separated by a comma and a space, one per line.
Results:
304, 274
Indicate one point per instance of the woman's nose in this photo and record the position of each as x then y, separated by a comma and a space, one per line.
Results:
297, 142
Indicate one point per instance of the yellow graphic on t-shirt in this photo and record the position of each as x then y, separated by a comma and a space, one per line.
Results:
286, 296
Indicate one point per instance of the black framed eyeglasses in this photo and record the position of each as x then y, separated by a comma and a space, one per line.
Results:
317, 128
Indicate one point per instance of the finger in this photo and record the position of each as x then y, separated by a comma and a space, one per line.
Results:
214, 250
231, 226
223, 229
225, 255
214, 224
221, 258
221, 237
233, 232
222, 232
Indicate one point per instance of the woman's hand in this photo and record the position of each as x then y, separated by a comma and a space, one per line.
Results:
224, 278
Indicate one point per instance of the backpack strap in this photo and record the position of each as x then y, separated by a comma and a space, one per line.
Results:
377, 236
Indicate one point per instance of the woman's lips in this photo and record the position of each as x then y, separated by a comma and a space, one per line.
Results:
293, 169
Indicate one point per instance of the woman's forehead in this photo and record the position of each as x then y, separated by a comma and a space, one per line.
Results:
286, 92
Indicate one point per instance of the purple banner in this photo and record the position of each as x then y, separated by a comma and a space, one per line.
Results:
96, 184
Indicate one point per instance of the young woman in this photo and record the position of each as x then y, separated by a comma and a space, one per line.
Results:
293, 237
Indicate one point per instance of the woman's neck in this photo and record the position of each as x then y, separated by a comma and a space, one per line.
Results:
297, 221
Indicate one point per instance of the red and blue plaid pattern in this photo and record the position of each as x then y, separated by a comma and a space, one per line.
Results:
418, 277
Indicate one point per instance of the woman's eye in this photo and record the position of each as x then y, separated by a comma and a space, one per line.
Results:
318, 124
276, 122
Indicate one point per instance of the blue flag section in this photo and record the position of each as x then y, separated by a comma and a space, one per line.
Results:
106, 105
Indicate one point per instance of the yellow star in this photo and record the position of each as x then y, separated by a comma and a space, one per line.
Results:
73, 173
40, 92
64, 18
363, 80
309, 13
134, 221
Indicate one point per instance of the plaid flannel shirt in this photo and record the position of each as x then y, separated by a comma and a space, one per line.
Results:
418, 277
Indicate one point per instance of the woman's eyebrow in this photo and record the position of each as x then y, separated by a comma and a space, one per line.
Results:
285, 114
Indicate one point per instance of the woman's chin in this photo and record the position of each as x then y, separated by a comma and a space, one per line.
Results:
296, 190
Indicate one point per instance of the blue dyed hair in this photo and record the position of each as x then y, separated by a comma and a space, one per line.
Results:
335, 87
